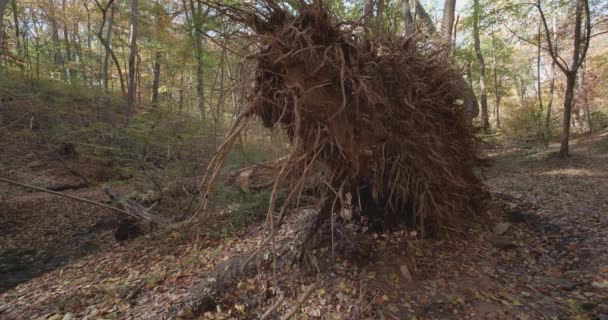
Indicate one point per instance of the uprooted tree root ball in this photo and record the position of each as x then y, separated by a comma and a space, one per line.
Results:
380, 123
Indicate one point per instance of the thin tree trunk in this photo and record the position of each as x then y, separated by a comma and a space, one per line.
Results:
485, 122
37, 44
58, 58
425, 18
539, 91
79, 56
181, 93
369, 12
449, 9
497, 84
408, 20
17, 28
132, 85
3, 4
138, 79
585, 96
156, 79
455, 31
66, 38
197, 24
568, 100
379, 18
577, 60
106, 61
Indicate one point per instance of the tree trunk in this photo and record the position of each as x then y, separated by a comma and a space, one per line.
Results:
497, 84
156, 80
408, 20
3, 4
66, 39
425, 18
485, 122
58, 58
181, 93
568, 99
379, 17
17, 28
132, 88
585, 97
539, 92
571, 73
197, 24
369, 12
448, 20
106, 61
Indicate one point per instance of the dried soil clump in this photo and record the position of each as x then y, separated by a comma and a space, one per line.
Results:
380, 121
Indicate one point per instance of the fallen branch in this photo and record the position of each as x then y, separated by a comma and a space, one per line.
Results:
69, 197
273, 308
301, 300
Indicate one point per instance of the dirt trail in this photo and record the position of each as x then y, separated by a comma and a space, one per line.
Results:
556, 266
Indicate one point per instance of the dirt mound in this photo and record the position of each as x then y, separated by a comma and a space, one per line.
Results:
383, 119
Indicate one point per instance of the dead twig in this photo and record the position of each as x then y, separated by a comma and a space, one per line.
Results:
301, 300
69, 197
273, 308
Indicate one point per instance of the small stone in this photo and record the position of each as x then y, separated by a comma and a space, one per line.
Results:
501, 228
68, 316
564, 284
405, 272
501, 242
600, 285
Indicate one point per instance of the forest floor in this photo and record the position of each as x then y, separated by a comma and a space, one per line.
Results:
549, 262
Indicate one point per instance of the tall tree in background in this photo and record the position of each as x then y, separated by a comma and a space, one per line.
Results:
485, 120
131, 93
408, 20
379, 17
16, 25
66, 40
3, 4
106, 60
579, 52
196, 17
449, 9
58, 58
547, 134
156, 79
106, 44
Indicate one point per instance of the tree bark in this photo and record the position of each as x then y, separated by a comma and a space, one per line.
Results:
369, 12
3, 4
497, 84
17, 28
449, 9
197, 17
425, 18
156, 79
379, 17
106, 45
106, 61
485, 122
132, 85
58, 58
568, 99
539, 90
582, 89
408, 20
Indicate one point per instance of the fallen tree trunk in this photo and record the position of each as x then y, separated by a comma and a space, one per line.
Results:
129, 208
